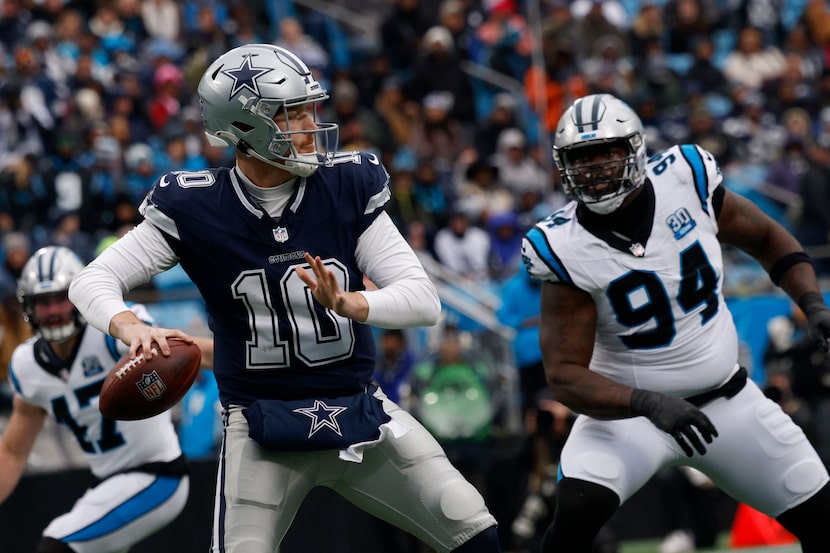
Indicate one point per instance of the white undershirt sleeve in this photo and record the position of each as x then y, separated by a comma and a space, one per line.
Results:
406, 297
98, 291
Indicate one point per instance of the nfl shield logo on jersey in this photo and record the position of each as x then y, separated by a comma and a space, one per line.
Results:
280, 234
151, 386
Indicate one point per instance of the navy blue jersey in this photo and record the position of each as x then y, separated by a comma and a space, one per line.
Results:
272, 338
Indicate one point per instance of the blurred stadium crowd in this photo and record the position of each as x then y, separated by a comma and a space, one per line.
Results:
458, 97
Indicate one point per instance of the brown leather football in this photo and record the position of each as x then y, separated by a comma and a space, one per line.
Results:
140, 388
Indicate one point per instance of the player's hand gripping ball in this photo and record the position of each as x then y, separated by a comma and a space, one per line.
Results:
140, 388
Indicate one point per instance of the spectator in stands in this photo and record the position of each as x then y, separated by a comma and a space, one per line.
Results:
162, 19
503, 115
14, 19
703, 74
505, 245
753, 62
505, 39
551, 88
785, 173
401, 32
607, 68
437, 137
481, 193
165, 102
24, 201
20, 131
463, 248
704, 130
754, 132
594, 23
293, 37
437, 69
453, 16
357, 123
686, 21
518, 169
140, 162
521, 310
648, 25
17, 247
395, 361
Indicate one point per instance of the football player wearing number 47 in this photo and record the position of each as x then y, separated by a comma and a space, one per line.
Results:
143, 482
637, 338
278, 246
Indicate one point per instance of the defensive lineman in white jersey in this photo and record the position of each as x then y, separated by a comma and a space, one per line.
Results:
637, 338
58, 373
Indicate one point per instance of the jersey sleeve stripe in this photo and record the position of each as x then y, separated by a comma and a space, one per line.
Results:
540, 245
695, 161
160, 220
13, 379
378, 200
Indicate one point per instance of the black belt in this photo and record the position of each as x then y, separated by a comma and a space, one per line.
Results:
730, 389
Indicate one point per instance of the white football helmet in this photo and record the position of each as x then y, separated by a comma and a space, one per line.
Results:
48, 274
600, 121
243, 93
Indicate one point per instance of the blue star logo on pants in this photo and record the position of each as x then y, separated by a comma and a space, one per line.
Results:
322, 415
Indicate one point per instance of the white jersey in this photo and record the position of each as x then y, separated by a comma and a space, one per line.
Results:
657, 301
69, 392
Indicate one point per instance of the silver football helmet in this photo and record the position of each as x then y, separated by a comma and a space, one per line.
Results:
247, 90
48, 274
591, 126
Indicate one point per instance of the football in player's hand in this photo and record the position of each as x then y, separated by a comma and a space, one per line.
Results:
140, 388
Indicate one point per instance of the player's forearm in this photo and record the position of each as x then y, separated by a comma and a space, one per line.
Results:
589, 393
798, 280
12, 466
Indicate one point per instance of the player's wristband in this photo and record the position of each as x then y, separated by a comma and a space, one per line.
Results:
783, 264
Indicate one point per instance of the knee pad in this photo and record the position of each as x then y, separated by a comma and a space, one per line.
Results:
807, 521
51, 545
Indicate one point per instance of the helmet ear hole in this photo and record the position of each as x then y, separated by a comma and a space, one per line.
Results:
243, 127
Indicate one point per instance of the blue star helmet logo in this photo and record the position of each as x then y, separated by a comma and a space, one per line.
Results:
245, 76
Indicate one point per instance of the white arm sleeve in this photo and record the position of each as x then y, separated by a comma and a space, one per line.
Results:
406, 297
98, 291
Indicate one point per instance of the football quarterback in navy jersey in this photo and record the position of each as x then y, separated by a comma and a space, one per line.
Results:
637, 338
279, 247
143, 482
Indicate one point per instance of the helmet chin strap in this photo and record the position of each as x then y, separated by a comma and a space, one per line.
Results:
298, 167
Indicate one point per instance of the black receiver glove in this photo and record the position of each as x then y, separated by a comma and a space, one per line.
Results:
818, 318
675, 416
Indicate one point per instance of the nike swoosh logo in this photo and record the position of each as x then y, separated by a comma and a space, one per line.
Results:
163, 182
373, 159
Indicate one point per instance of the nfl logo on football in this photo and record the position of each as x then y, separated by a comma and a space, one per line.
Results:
151, 386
